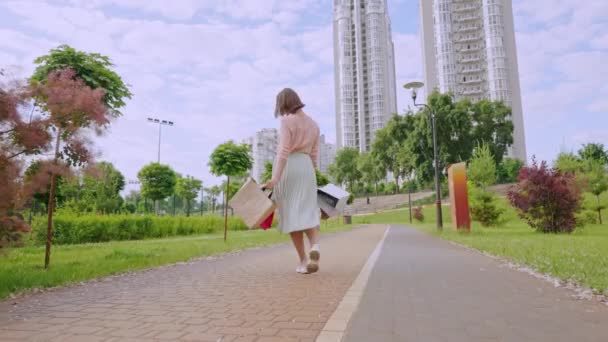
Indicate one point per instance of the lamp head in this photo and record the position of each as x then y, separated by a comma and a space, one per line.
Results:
414, 86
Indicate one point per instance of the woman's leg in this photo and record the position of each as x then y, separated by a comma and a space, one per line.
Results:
298, 242
313, 236
314, 255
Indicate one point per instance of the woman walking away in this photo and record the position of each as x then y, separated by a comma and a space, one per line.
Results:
294, 179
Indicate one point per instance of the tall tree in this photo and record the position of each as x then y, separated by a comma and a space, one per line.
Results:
188, 188
230, 160
75, 91
213, 192
102, 187
568, 163
492, 126
94, 69
482, 168
344, 169
594, 152
454, 135
371, 170
322, 179
508, 170
390, 143
597, 183
71, 107
157, 182
267, 175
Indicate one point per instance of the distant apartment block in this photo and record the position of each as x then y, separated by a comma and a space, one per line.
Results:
364, 63
263, 149
469, 49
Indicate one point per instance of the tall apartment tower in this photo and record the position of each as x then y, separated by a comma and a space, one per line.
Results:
469, 49
327, 154
263, 149
364, 63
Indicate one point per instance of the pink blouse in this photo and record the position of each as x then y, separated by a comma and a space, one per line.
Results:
298, 133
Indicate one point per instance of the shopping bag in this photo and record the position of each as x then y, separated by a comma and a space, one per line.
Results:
331, 200
252, 204
267, 223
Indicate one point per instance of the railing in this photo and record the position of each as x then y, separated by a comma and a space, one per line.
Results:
467, 28
470, 59
471, 71
468, 38
472, 92
472, 81
472, 48
468, 18
466, 8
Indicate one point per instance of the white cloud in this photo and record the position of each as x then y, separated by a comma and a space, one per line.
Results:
214, 66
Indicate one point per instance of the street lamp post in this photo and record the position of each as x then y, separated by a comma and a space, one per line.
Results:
202, 194
414, 86
160, 123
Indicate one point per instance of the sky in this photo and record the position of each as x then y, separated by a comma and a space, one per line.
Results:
214, 68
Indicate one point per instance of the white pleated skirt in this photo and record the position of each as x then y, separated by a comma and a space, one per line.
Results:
296, 195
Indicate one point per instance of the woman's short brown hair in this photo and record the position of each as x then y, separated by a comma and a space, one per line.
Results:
288, 102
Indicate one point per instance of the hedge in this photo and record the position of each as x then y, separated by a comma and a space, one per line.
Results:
71, 229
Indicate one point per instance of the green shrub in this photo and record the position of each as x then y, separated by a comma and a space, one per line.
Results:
585, 218
484, 208
71, 229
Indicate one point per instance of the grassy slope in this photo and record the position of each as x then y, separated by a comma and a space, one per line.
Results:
581, 256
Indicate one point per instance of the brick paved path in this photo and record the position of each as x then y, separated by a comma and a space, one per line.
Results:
424, 289
252, 296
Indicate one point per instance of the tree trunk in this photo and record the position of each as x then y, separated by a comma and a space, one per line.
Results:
376, 184
51, 207
226, 208
398, 190
599, 209
187, 208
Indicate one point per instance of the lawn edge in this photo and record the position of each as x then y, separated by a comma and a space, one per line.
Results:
580, 292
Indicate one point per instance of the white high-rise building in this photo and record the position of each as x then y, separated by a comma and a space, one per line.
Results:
327, 155
469, 49
263, 149
364, 65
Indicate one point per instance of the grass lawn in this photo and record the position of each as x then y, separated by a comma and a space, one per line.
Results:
22, 268
581, 256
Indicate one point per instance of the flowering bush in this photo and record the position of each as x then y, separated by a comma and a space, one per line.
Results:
546, 198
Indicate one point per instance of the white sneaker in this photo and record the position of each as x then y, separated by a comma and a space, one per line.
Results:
302, 269
314, 255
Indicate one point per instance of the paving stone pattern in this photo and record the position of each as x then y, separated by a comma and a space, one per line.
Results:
251, 296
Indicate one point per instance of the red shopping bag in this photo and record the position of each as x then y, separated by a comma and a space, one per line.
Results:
267, 223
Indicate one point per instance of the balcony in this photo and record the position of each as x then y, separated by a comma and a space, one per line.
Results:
471, 91
466, 18
470, 59
469, 48
471, 70
466, 8
467, 28
470, 81
467, 38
